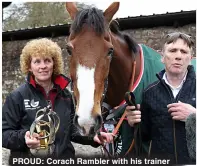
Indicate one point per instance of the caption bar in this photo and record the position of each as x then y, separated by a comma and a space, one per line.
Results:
82, 161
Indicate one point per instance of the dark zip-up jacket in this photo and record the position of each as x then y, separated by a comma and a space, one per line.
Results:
19, 111
168, 136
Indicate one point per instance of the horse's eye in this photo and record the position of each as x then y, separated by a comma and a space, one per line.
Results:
111, 52
69, 50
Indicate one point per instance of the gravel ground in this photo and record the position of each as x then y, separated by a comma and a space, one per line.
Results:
5, 155
84, 150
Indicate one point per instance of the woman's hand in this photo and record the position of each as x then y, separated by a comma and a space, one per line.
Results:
33, 141
103, 137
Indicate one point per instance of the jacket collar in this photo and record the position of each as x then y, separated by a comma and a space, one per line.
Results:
191, 73
60, 80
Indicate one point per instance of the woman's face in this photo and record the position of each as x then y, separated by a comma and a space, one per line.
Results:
42, 68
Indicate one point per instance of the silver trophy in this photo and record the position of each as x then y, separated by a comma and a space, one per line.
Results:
46, 124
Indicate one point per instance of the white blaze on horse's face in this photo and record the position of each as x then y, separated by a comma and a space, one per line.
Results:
86, 88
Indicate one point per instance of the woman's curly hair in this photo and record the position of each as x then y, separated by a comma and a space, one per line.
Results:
42, 48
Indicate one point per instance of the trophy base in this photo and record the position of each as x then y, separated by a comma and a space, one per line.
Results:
43, 152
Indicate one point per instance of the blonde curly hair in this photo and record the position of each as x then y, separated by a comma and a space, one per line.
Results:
42, 48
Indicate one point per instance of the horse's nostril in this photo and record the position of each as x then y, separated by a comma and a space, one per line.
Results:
80, 128
75, 120
92, 131
83, 131
98, 119
98, 122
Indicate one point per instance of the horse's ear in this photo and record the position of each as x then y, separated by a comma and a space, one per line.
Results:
111, 10
72, 9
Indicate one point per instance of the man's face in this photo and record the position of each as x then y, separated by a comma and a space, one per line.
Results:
176, 57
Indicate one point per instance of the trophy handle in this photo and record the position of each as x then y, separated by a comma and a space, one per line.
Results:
56, 120
55, 123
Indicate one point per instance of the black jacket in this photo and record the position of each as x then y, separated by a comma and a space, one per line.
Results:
18, 114
168, 136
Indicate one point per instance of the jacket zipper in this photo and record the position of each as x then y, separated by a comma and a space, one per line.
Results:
55, 152
174, 127
52, 106
175, 147
173, 121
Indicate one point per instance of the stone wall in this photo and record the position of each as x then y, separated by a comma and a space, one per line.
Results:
12, 77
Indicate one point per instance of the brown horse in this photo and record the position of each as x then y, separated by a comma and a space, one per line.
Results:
100, 54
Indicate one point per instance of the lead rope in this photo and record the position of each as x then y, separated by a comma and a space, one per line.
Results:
132, 82
123, 117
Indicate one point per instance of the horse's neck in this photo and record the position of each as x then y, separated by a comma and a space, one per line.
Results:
120, 72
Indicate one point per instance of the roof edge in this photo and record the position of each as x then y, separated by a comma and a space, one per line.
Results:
175, 19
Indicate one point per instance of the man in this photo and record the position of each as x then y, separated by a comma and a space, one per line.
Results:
168, 102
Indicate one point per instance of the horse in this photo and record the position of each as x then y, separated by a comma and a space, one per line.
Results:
105, 64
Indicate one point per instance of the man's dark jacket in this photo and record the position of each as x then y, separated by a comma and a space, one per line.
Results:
168, 136
18, 114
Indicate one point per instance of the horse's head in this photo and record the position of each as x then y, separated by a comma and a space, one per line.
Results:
91, 50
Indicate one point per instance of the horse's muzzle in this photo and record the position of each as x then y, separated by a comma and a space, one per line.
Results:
89, 128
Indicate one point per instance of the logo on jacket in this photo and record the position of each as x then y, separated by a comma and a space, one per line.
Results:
31, 104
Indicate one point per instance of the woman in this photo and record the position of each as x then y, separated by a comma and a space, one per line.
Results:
41, 60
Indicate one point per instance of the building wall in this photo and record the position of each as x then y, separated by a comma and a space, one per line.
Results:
12, 77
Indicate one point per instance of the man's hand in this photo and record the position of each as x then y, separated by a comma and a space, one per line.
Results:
180, 111
33, 141
133, 116
103, 137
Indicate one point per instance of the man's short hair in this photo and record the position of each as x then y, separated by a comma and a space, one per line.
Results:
173, 37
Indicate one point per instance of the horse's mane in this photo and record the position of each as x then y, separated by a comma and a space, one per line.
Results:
132, 44
92, 17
